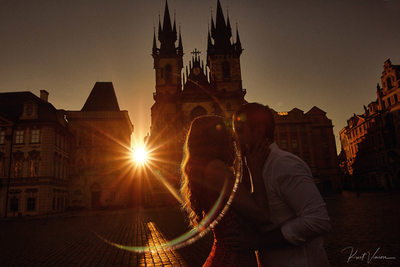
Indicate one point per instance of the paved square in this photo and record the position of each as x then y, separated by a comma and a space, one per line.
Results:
367, 224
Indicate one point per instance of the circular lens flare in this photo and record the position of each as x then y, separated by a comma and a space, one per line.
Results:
140, 155
209, 221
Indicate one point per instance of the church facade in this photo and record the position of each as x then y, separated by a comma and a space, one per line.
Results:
181, 94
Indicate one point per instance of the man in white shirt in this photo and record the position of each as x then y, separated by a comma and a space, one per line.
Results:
297, 211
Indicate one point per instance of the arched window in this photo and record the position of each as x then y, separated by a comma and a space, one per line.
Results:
196, 112
226, 70
168, 73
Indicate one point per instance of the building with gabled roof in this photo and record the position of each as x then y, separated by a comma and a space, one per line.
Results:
310, 136
370, 156
100, 159
52, 159
34, 155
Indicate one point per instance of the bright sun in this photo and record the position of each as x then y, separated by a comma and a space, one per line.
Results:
140, 155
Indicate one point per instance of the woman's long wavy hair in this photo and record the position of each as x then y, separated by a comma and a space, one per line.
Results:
209, 138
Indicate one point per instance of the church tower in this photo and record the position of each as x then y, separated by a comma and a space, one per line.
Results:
223, 60
168, 65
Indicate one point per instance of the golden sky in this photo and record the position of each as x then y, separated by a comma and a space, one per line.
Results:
325, 53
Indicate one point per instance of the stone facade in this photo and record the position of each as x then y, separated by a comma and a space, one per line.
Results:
370, 156
63, 159
37, 139
310, 136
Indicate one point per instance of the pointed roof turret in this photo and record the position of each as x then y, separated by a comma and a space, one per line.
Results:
154, 43
174, 27
167, 34
180, 45
221, 32
228, 26
167, 19
209, 43
220, 20
159, 28
238, 43
212, 27
102, 98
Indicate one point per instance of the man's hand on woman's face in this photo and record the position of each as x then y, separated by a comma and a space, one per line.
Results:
256, 156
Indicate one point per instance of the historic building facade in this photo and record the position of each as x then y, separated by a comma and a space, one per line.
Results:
310, 136
216, 88
100, 151
370, 156
35, 136
62, 159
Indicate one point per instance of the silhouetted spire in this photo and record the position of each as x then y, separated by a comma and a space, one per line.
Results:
167, 35
212, 27
220, 20
154, 43
167, 19
209, 43
180, 46
238, 43
221, 32
228, 26
159, 28
174, 27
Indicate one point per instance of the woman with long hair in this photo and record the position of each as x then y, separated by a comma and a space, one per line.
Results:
210, 165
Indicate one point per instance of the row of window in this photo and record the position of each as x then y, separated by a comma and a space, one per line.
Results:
363, 128
19, 136
58, 203
15, 204
390, 101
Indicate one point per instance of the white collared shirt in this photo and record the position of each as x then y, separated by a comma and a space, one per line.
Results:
296, 206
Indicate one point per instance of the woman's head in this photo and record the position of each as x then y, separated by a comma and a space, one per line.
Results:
209, 138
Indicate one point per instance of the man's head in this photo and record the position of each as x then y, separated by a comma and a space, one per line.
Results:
253, 123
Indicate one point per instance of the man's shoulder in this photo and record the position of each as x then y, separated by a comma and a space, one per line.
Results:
284, 163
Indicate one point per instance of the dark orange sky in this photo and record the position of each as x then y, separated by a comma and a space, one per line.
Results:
327, 53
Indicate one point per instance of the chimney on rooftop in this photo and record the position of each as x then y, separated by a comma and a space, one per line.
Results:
44, 95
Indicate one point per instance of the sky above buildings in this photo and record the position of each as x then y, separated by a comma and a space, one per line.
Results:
325, 53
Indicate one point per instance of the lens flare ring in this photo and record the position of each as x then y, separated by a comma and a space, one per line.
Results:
195, 233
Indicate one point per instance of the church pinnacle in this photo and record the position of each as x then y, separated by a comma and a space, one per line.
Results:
167, 35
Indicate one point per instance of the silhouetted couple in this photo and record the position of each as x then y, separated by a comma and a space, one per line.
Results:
276, 210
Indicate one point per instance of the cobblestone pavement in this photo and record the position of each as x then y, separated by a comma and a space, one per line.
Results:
367, 223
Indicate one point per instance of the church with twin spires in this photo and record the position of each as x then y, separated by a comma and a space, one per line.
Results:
183, 94
215, 87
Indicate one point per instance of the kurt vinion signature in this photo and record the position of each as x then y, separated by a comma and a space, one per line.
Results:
367, 255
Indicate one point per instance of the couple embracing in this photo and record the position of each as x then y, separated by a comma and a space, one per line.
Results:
277, 216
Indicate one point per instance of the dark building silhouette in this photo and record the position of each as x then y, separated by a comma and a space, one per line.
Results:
213, 88
100, 161
370, 156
